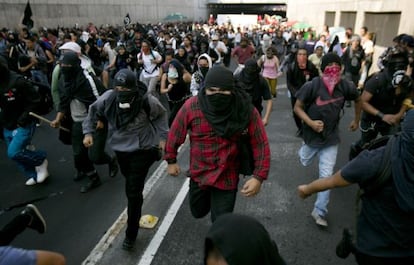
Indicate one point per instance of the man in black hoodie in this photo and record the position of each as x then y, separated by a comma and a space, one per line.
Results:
235, 239
17, 100
385, 222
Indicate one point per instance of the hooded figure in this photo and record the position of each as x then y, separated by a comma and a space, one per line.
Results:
204, 64
250, 80
129, 94
227, 114
240, 240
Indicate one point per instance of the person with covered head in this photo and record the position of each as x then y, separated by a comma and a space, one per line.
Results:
204, 64
385, 221
319, 105
174, 86
215, 120
138, 128
236, 239
382, 99
257, 87
77, 93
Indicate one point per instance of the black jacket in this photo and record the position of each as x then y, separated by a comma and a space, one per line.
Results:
18, 98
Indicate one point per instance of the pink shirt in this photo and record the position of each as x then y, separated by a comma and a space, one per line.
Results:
269, 67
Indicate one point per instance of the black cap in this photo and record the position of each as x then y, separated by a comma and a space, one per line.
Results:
328, 58
126, 78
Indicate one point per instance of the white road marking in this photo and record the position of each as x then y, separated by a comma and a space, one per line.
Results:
107, 239
156, 241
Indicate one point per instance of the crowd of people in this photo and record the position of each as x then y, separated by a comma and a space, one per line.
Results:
139, 90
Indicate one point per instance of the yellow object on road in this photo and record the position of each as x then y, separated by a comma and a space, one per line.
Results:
148, 221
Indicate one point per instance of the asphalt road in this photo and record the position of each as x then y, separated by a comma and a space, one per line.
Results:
78, 222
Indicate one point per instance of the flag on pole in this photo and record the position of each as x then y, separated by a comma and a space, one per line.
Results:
27, 19
127, 20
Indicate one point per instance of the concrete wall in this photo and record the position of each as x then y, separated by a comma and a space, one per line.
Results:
313, 11
51, 13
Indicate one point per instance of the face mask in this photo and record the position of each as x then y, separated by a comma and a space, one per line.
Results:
220, 102
172, 73
204, 70
67, 71
126, 98
331, 76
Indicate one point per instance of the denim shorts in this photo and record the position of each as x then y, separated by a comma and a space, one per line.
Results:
17, 256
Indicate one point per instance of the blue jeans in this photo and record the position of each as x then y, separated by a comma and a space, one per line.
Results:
26, 160
327, 160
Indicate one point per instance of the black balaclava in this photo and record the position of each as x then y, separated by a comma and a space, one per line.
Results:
128, 101
227, 114
70, 65
250, 72
242, 240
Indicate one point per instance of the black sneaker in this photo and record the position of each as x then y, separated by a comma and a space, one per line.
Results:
79, 176
128, 244
113, 167
93, 183
345, 246
37, 222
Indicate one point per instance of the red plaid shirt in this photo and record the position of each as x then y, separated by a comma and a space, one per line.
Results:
213, 159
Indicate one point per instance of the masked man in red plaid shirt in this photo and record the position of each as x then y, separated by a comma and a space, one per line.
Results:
215, 120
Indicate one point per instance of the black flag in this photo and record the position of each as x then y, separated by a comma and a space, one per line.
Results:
27, 19
127, 20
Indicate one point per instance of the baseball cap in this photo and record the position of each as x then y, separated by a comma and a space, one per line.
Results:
72, 46
125, 78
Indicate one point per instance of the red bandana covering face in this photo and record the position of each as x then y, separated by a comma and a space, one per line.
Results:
331, 76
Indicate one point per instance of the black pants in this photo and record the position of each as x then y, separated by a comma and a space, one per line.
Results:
134, 167
97, 152
202, 201
17, 225
370, 130
363, 259
80, 152
85, 158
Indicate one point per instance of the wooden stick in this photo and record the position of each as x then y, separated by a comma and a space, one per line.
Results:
47, 120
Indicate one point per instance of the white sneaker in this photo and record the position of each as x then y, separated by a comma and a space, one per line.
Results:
31, 182
42, 172
319, 220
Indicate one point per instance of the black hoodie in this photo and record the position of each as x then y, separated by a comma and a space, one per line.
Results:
242, 240
18, 98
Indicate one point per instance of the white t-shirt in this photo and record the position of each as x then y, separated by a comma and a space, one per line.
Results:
150, 69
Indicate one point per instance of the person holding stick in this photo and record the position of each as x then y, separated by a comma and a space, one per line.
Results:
17, 100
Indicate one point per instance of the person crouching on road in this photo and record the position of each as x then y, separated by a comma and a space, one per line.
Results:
215, 120
137, 122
